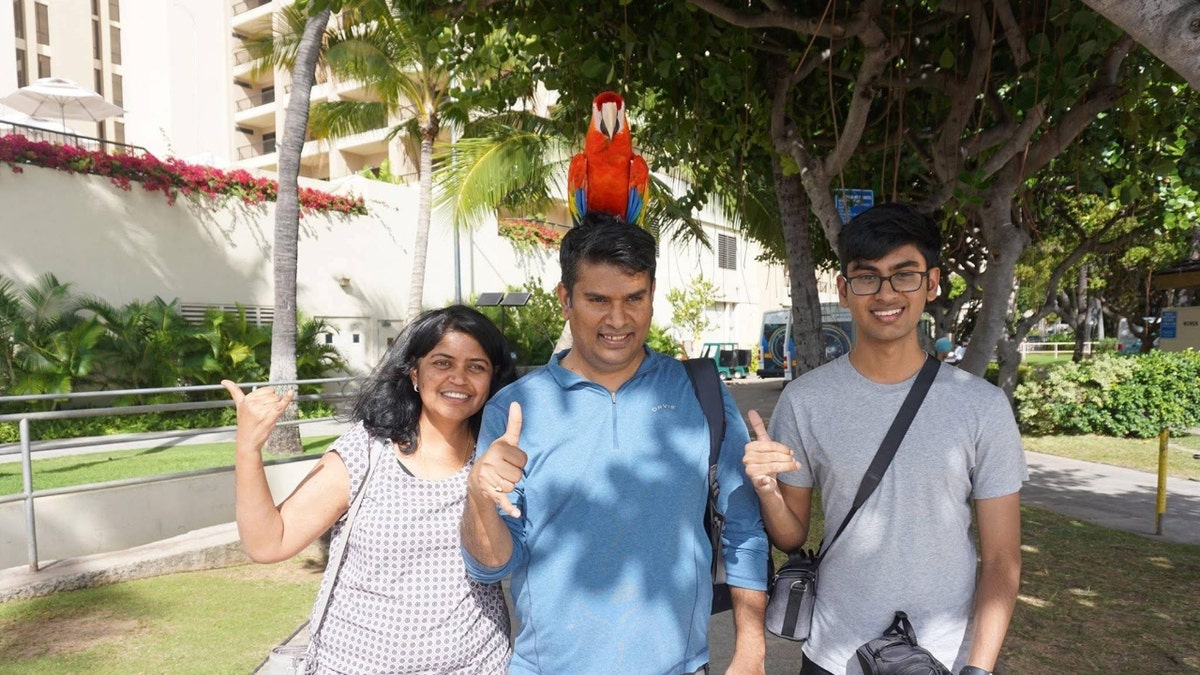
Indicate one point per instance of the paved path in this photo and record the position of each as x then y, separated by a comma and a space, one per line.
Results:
1100, 494
1123, 499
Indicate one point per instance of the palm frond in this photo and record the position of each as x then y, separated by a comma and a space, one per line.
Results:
512, 167
337, 119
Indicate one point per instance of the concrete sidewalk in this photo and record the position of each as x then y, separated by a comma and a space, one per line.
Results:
1112, 496
1104, 495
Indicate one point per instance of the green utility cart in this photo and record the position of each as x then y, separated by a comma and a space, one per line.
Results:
731, 361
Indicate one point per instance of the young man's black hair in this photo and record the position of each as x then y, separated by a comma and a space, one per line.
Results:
883, 228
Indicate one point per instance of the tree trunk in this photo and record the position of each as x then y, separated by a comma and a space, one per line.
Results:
1170, 29
806, 302
1082, 310
285, 440
1005, 242
416, 287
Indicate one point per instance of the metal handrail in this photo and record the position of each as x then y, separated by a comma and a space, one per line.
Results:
257, 149
28, 494
183, 389
66, 138
255, 100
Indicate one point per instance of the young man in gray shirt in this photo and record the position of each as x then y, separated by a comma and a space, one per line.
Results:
909, 547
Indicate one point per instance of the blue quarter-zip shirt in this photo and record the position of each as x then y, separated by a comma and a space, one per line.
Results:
611, 564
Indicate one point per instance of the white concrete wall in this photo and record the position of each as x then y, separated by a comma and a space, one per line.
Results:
114, 519
124, 246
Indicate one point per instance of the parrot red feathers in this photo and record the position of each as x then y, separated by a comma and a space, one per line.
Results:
607, 176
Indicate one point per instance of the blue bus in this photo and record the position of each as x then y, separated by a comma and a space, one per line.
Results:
779, 350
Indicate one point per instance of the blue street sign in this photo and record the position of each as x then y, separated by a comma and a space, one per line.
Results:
850, 203
1169, 324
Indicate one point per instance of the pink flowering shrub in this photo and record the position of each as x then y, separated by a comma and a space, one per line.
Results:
527, 232
172, 177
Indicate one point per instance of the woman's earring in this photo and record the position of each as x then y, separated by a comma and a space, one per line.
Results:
415, 388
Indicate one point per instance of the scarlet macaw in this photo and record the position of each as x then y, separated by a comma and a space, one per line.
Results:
607, 176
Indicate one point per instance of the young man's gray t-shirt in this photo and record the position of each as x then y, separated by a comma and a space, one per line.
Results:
909, 547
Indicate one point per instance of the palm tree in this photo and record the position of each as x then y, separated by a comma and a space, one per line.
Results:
299, 49
400, 57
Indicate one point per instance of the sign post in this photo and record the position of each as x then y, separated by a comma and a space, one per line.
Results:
850, 203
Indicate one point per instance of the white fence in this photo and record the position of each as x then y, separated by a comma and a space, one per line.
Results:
1055, 348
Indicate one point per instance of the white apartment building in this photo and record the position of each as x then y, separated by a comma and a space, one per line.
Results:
181, 71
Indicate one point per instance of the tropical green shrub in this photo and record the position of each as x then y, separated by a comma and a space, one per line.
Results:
53, 341
533, 329
661, 341
992, 372
1112, 395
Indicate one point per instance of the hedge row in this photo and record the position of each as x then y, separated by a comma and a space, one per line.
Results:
1110, 395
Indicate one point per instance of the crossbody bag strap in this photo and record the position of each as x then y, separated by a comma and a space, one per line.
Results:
337, 555
891, 443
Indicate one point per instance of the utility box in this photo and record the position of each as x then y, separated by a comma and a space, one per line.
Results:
1179, 329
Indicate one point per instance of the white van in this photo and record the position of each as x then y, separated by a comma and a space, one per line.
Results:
1127, 342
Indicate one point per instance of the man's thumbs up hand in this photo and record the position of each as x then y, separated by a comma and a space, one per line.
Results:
496, 474
765, 459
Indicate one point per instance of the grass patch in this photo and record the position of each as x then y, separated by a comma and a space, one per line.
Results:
1131, 453
1041, 358
99, 467
1092, 600
216, 621
1095, 600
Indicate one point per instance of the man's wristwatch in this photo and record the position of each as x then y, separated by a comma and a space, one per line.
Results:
973, 670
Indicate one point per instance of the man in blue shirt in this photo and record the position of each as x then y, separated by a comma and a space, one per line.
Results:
592, 488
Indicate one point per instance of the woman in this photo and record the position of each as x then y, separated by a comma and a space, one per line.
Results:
402, 601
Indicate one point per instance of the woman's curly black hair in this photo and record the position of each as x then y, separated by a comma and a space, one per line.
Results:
387, 405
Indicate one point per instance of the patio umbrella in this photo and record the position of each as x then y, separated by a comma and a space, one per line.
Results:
8, 117
62, 98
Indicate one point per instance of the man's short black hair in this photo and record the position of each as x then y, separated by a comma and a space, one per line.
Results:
605, 239
884, 228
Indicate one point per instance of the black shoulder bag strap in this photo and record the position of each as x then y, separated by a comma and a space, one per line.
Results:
707, 383
891, 443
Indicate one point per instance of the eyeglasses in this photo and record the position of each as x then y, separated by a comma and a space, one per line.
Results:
902, 282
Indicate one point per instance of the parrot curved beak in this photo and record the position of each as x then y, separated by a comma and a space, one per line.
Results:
610, 119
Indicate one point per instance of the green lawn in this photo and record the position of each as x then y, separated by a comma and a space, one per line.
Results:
216, 621
97, 467
119, 464
1040, 358
1092, 600
1131, 453
1095, 600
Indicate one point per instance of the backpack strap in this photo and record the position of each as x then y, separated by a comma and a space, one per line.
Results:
707, 383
